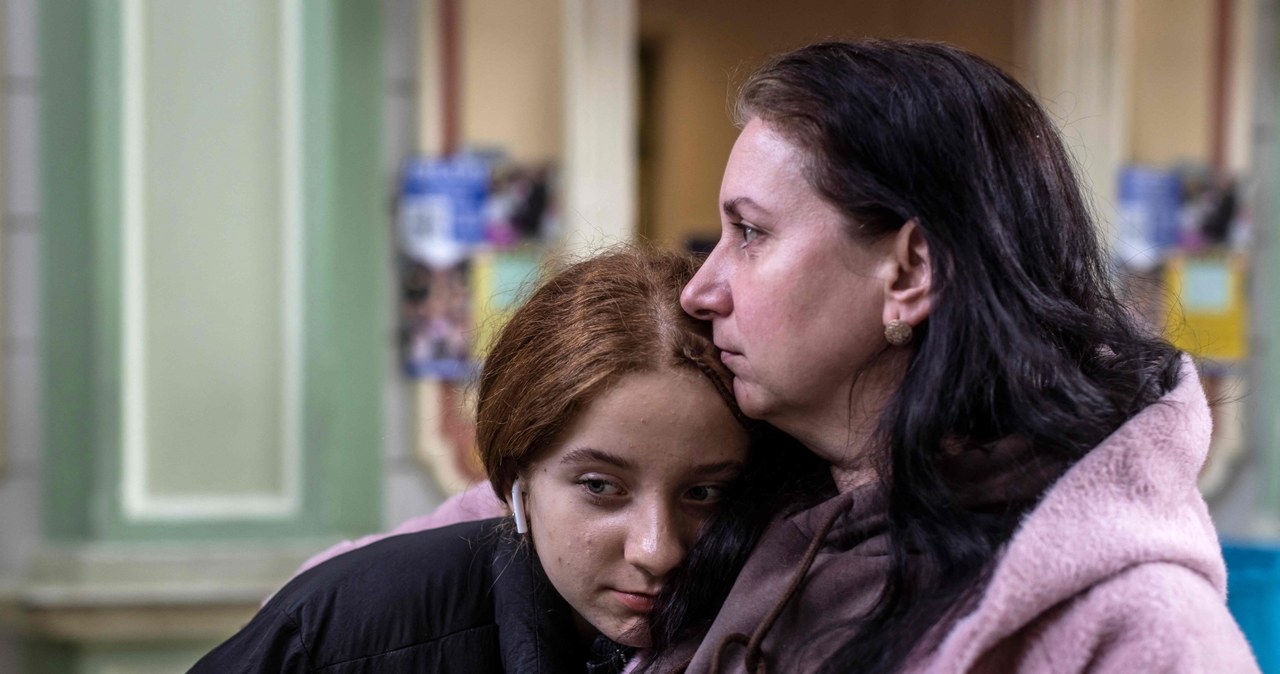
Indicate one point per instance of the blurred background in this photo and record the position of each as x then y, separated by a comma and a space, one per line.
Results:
252, 250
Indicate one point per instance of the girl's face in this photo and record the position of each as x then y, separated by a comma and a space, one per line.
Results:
795, 303
614, 507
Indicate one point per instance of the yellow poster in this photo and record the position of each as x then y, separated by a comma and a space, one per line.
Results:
1207, 315
500, 280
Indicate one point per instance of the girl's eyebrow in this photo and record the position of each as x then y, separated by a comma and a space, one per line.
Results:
592, 455
716, 468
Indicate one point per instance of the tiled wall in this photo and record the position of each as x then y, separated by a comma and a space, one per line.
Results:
19, 493
407, 489
20, 289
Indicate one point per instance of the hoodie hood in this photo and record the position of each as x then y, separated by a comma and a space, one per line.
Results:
1131, 500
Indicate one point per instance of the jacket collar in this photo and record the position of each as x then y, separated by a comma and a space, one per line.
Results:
536, 632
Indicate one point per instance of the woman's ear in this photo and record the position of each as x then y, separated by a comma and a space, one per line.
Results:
908, 291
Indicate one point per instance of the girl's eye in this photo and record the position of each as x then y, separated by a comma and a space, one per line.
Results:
706, 493
599, 487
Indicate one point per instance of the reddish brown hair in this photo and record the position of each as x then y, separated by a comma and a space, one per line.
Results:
582, 329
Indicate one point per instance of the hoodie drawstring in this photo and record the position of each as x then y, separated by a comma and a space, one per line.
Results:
754, 659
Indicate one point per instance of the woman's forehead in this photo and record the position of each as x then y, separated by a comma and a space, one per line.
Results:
765, 173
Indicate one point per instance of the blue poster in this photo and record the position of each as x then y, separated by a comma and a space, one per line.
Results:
441, 215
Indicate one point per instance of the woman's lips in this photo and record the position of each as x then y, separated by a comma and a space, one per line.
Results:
638, 602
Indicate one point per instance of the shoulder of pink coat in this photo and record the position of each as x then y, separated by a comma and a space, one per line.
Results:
476, 502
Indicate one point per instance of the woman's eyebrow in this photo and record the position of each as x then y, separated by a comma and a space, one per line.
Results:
731, 207
591, 455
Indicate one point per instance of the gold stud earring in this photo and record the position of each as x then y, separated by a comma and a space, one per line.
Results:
897, 332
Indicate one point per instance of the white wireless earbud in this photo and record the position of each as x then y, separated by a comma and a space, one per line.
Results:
517, 506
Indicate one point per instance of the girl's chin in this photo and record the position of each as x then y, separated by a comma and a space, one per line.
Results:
634, 634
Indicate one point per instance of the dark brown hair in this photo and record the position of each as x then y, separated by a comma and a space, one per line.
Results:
582, 329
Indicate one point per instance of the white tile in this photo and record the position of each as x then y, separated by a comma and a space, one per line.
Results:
21, 286
399, 134
397, 417
400, 57
22, 147
407, 493
23, 223
19, 521
22, 402
21, 53
1235, 508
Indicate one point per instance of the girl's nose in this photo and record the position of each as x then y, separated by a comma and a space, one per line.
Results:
654, 542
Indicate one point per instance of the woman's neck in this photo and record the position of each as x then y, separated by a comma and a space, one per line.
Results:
848, 479
846, 452
846, 434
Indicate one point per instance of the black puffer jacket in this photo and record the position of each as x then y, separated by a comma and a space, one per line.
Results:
465, 598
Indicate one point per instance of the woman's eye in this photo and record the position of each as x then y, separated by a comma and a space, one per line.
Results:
706, 493
599, 487
749, 233
745, 234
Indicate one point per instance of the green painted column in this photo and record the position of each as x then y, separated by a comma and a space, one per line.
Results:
68, 315
91, 485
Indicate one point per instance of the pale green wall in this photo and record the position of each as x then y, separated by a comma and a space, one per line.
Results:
213, 248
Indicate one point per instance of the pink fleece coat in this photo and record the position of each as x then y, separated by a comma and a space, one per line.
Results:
1118, 569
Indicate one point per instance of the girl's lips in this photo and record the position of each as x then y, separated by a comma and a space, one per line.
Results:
640, 603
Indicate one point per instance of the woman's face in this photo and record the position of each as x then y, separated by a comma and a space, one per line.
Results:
614, 507
796, 305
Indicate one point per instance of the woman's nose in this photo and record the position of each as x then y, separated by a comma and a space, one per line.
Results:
707, 295
655, 543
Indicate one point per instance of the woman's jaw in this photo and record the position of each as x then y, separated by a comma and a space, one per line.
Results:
842, 428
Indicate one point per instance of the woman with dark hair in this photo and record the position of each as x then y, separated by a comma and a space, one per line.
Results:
605, 422
909, 282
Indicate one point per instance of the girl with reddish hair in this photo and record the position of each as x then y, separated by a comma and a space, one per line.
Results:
605, 424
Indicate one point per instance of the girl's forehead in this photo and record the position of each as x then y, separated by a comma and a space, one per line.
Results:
658, 421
